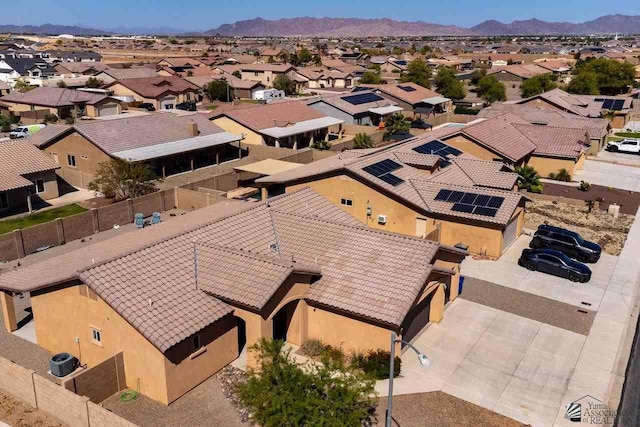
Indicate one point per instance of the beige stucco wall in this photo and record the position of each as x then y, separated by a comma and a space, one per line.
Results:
234, 127
480, 239
546, 165
466, 145
61, 315
120, 90
88, 157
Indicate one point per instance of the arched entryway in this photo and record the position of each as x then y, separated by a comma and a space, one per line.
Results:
284, 319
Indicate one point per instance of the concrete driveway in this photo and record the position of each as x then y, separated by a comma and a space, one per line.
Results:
506, 272
515, 366
621, 158
610, 175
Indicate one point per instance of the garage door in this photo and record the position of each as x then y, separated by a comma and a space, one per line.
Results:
417, 319
168, 103
510, 233
108, 110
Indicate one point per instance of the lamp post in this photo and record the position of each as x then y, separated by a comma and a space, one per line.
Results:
422, 358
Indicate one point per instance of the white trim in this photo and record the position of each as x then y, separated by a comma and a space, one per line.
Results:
301, 127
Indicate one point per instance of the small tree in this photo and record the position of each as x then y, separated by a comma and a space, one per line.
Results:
218, 90
396, 123
237, 74
321, 145
61, 84
370, 78
317, 61
448, 85
562, 175
123, 179
5, 124
491, 90
362, 140
537, 85
304, 55
585, 83
22, 86
282, 393
285, 83
528, 179
417, 72
477, 75
94, 83
50, 118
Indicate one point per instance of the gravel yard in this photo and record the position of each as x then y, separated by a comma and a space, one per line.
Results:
16, 413
597, 226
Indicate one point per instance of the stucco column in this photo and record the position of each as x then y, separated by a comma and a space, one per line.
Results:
264, 193
454, 285
437, 305
8, 311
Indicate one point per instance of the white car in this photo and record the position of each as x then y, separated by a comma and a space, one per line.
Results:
628, 145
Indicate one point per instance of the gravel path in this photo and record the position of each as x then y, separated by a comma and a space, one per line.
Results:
442, 410
541, 309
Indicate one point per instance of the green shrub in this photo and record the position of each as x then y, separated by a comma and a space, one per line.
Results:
362, 140
313, 348
5, 124
528, 179
584, 186
376, 364
69, 120
628, 134
334, 354
50, 118
465, 110
562, 175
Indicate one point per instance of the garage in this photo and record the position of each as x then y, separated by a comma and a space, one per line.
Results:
168, 102
510, 233
108, 110
417, 319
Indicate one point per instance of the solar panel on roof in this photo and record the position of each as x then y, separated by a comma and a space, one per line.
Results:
455, 196
437, 148
484, 211
461, 207
362, 98
469, 198
390, 178
382, 170
607, 104
495, 202
443, 195
618, 104
359, 89
407, 88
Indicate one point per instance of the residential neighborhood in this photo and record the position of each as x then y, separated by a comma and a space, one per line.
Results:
319, 221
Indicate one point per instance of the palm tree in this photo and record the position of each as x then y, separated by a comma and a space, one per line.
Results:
362, 140
396, 123
528, 179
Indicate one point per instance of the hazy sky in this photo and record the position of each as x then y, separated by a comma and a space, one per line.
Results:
206, 14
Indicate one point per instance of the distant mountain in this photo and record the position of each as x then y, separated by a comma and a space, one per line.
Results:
52, 30
143, 31
336, 27
344, 27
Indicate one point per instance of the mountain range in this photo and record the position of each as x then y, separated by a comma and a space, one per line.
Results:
357, 27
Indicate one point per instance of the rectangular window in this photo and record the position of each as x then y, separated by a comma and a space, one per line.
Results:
346, 202
38, 186
96, 335
71, 160
255, 74
196, 342
4, 200
55, 158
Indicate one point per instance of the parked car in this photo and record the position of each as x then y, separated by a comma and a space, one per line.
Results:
555, 263
566, 241
148, 106
25, 131
627, 145
187, 106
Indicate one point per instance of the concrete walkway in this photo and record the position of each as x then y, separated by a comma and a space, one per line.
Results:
610, 175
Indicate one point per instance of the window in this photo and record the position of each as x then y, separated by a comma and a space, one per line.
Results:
196, 342
38, 186
96, 335
55, 158
71, 160
255, 74
346, 202
4, 200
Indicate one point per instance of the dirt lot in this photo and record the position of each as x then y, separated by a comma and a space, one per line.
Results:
442, 410
597, 226
629, 201
16, 413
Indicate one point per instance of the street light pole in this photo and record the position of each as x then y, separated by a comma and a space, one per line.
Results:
424, 361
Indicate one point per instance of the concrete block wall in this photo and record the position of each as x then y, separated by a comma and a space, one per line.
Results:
78, 226
17, 381
118, 213
100, 417
66, 406
8, 247
100, 381
38, 236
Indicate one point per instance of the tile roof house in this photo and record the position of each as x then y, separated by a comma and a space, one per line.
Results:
27, 176
517, 72
32, 70
266, 73
62, 102
162, 92
241, 89
287, 124
112, 74
395, 188
181, 296
411, 97
169, 143
360, 108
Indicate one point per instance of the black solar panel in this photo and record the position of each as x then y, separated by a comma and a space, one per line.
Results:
382, 170
437, 148
359, 89
407, 88
461, 207
481, 210
607, 104
482, 200
618, 104
455, 196
390, 178
362, 98
443, 195
469, 198
495, 202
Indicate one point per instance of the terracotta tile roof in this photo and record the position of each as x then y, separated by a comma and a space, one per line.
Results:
557, 142
476, 172
338, 101
597, 128
266, 116
582, 105
53, 97
19, 158
130, 73
233, 81
412, 97
151, 279
114, 136
47, 134
276, 68
521, 70
153, 87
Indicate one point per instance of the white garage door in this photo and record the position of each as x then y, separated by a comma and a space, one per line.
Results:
108, 110
510, 233
168, 103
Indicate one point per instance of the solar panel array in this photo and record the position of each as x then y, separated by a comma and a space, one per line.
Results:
407, 88
382, 170
478, 204
611, 104
437, 148
362, 98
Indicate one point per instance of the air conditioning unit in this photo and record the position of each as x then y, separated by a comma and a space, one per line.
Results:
382, 219
62, 364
